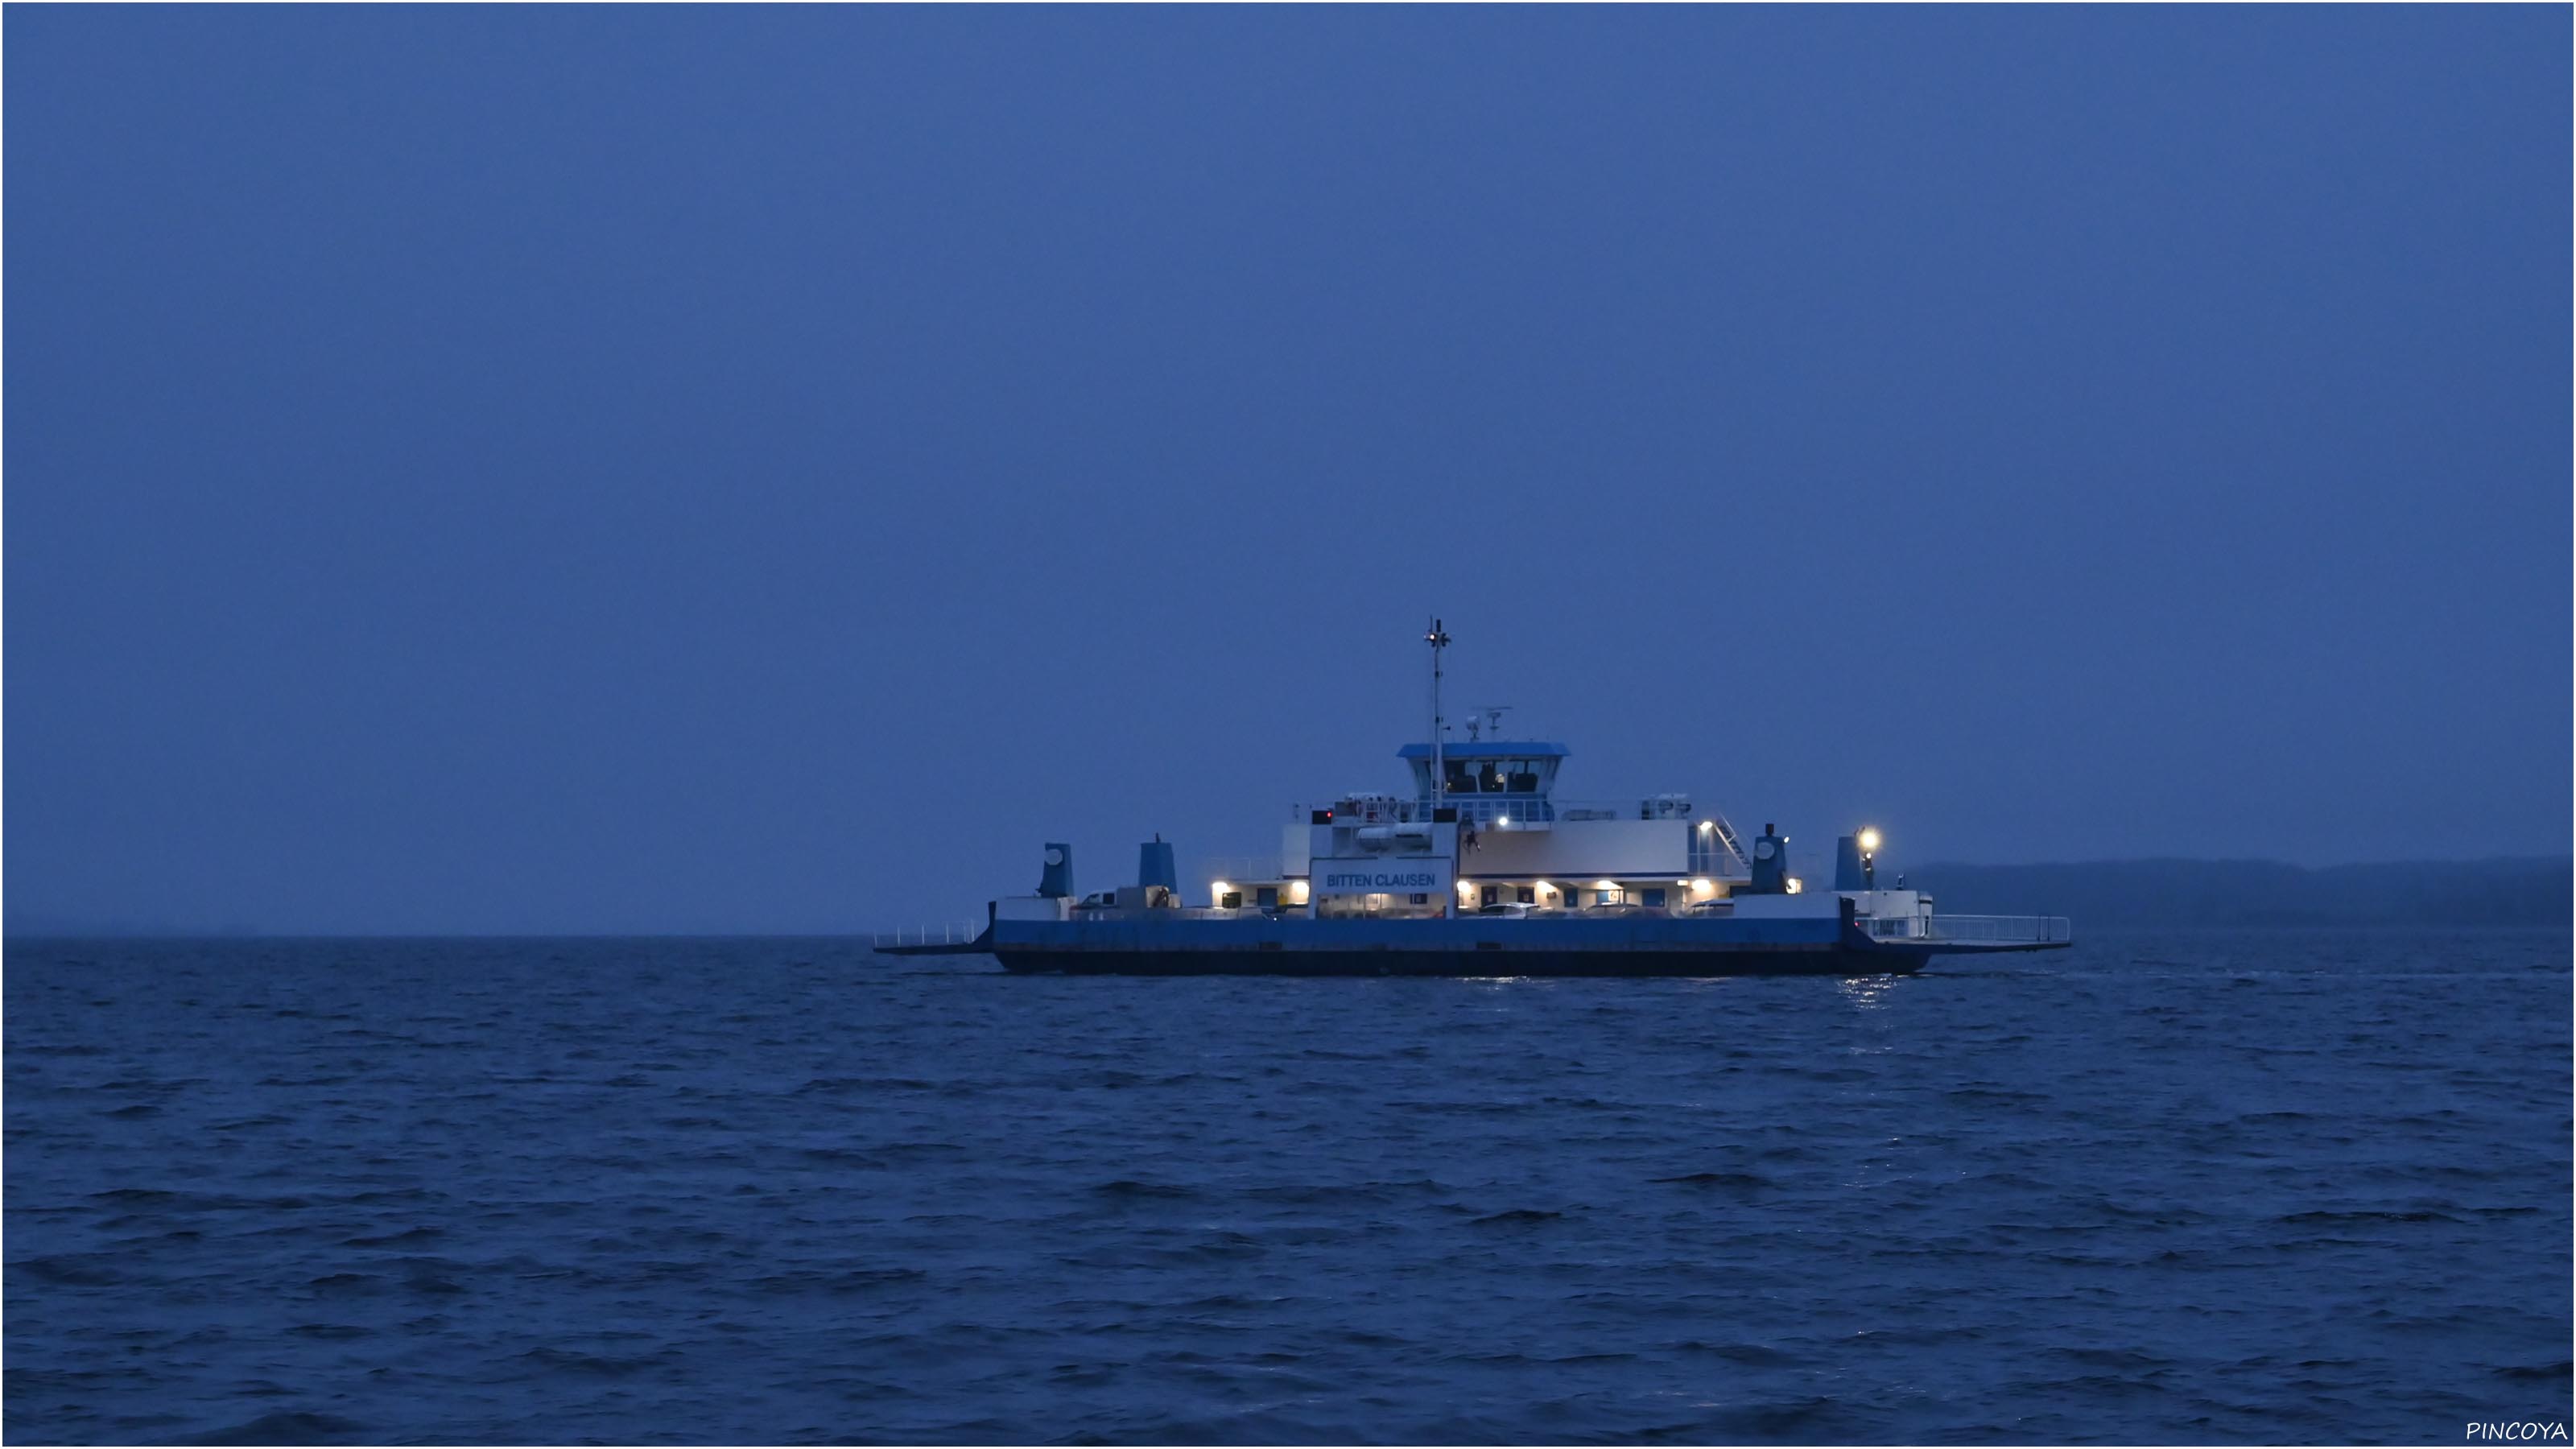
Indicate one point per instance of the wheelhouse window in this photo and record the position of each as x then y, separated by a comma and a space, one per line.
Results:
1490, 777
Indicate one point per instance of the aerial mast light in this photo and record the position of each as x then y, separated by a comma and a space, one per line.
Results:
1438, 639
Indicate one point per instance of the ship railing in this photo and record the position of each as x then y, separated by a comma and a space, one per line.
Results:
943, 933
1513, 812
1988, 930
1676, 809
1115, 915
1497, 811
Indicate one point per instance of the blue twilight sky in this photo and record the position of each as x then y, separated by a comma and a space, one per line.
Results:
681, 468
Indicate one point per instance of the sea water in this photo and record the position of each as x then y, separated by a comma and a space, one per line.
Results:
2281, 1186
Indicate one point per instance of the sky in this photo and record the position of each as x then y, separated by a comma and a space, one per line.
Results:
709, 469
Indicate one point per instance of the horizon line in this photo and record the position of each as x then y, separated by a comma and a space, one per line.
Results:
75, 929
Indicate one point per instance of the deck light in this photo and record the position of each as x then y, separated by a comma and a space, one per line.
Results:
1796, 885
1218, 887
1605, 885
1502, 822
1869, 839
1706, 826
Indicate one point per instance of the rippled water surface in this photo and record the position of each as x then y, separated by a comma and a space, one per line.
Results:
2285, 1186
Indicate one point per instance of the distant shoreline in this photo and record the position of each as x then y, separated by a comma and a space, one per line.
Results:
2503, 891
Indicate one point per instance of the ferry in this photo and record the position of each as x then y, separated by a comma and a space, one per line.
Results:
1478, 868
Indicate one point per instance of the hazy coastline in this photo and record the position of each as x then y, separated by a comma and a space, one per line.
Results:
2504, 891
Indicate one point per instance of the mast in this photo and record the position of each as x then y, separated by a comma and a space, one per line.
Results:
1438, 639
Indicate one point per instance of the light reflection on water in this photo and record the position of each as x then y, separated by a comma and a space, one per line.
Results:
1869, 993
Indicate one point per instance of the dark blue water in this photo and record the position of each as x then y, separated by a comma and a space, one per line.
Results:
2288, 1187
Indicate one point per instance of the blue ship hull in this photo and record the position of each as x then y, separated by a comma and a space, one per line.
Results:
1463, 963
1465, 946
